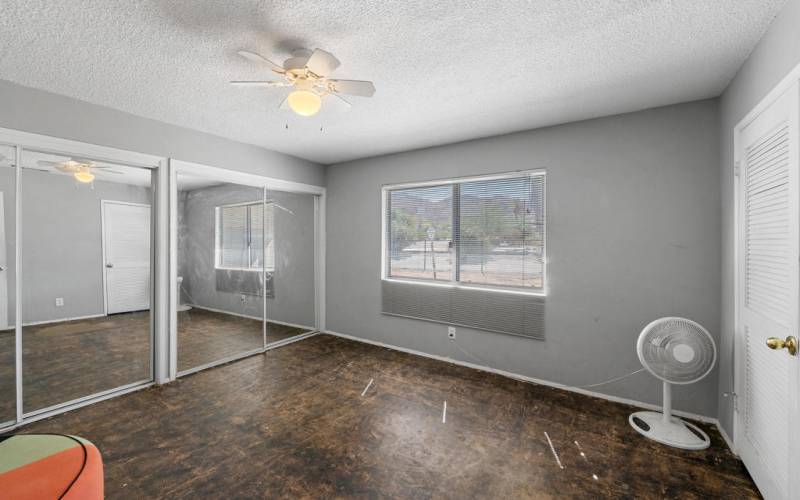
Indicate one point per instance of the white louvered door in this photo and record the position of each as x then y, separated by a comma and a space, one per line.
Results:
767, 296
126, 238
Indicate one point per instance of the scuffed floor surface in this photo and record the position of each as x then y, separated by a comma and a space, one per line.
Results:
68, 360
293, 423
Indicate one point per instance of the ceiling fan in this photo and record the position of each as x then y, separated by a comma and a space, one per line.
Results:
80, 168
308, 73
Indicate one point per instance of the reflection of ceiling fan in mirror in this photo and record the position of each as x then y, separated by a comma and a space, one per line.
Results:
80, 168
308, 73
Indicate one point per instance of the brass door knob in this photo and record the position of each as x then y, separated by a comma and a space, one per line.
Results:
790, 344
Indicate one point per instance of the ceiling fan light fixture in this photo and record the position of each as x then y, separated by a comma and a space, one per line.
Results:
84, 175
304, 102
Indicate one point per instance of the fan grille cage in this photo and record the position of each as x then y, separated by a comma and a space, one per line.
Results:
677, 350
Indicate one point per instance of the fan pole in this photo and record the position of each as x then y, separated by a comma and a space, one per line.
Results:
667, 402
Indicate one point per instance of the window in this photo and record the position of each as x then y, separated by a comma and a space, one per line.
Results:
245, 237
481, 232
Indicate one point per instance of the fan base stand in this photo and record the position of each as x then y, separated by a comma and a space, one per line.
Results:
676, 432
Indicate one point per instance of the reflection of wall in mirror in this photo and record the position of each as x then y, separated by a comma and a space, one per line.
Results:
62, 243
293, 289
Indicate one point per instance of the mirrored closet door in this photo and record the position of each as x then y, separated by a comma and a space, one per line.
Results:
86, 262
290, 272
8, 392
221, 261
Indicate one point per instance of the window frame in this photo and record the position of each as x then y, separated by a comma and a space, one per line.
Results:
386, 189
218, 235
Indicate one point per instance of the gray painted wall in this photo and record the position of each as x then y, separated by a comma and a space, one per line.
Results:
61, 244
294, 253
633, 234
775, 55
45, 113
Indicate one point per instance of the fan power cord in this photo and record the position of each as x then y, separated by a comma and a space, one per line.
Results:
556, 384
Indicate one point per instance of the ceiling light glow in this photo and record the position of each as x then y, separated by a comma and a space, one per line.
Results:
304, 102
84, 175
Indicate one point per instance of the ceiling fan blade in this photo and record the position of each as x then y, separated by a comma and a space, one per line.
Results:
45, 163
105, 171
257, 83
322, 63
337, 103
252, 56
353, 87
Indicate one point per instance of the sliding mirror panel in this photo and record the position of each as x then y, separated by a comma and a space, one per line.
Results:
8, 364
289, 236
220, 270
86, 258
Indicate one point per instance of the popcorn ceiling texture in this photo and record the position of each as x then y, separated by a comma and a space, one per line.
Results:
445, 71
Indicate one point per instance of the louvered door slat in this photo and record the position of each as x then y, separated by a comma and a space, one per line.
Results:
768, 293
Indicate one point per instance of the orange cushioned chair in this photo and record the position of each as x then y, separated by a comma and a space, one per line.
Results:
36, 466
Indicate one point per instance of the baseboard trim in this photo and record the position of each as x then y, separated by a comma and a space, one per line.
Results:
222, 311
727, 438
61, 320
525, 378
291, 340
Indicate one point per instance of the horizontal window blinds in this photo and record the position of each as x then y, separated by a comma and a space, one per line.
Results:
246, 237
262, 248
233, 237
501, 232
483, 238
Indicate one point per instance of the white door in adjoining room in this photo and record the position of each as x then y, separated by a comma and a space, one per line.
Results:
126, 256
767, 295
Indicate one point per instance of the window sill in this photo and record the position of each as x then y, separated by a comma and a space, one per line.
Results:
481, 288
245, 269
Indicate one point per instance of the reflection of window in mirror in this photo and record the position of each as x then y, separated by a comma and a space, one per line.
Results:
239, 231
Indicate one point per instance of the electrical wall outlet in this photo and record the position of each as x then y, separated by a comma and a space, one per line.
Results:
244, 298
451, 332
59, 301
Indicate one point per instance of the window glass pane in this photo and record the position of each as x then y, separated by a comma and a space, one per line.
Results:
420, 227
233, 236
502, 232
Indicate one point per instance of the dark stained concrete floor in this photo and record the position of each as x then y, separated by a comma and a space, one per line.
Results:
293, 423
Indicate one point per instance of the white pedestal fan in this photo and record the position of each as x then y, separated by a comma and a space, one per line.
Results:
677, 351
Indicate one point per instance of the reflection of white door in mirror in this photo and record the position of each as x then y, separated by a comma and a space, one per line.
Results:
3, 268
126, 256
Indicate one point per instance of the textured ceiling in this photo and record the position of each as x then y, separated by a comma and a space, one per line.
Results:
445, 71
